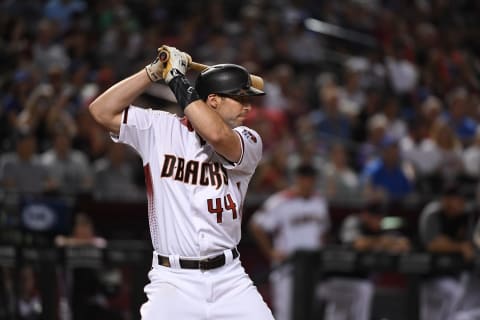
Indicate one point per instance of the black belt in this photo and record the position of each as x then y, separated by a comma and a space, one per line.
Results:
203, 264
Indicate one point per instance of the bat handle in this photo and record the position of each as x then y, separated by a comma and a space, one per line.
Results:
164, 55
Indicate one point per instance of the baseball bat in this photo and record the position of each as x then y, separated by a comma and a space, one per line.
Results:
257, 81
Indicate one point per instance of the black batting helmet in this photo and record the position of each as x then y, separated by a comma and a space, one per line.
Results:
228, 79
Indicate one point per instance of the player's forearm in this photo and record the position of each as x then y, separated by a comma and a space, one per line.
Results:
443, 244
211, 127
108, 107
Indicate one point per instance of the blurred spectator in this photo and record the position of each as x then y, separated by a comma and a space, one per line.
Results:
277, 85
83, 233
91, 137
62, 11
272, 173
47, 108
402, 73
87, 301
14, 101
418, 148
447, 157
299, 37
471, 157
458, 117
21, 171
371, 69
369, 150
390, 178
216, 49
341, 182
331, 124
7, 293
397, 126
46, 50
69, 168
115, 177
305, 152
431, 111
29, 303
271, 125
373, 101
34, 116
446, 227
297, 218
350, 296
352, 96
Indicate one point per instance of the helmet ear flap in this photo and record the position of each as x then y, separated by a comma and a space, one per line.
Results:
230, 79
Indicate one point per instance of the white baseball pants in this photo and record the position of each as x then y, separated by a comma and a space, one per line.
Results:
440, 297
347, 298
183, 294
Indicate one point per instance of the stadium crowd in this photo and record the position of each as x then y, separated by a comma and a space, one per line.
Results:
337, 102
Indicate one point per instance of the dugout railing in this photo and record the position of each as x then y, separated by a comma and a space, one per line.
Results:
54, 268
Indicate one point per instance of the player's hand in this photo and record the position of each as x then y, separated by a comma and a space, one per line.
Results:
176, 64
155, 69
278, 256
467, 250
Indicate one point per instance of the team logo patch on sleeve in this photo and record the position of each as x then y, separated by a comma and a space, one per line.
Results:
249, 136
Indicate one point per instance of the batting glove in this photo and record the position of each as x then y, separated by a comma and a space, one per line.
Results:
154, 70
176, 64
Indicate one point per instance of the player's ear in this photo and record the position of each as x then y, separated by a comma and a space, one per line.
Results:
213, 100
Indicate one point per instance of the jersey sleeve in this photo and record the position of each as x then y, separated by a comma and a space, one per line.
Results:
251, 144
135, 129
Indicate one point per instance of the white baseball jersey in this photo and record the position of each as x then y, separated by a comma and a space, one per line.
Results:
296, 222
195, 196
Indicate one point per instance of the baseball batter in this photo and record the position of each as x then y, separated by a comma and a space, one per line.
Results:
297, 218
197, 170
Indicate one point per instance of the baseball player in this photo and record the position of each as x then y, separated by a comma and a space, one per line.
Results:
298, 218
197, 169
446, 227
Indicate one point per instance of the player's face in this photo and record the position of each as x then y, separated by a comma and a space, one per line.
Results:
234, 109
306, 184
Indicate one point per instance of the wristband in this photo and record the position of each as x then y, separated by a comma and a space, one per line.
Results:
182, 89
